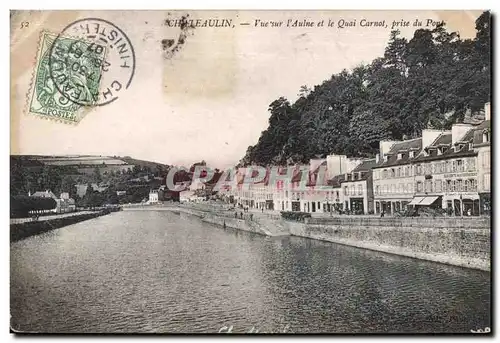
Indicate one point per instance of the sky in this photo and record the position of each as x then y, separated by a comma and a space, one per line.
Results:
209, 100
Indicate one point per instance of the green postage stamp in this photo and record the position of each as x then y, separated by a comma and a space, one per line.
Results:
65, 84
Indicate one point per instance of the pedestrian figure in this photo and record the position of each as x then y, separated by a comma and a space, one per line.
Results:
241, 215
251, 216
382, 214
262, 209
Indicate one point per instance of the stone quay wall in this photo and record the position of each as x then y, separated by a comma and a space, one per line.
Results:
462, 242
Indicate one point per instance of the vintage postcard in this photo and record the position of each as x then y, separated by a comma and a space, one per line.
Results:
237, 171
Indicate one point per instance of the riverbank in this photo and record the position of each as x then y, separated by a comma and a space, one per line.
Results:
463, 242
29, 228
458, 242
252, 222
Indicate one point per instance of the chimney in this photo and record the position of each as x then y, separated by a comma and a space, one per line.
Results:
487, 111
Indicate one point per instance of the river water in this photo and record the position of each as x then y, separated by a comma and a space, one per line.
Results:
159, 272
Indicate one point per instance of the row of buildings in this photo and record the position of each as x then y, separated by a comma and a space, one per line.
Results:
450, 170
64, 203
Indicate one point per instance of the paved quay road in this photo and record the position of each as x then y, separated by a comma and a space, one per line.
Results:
157, 272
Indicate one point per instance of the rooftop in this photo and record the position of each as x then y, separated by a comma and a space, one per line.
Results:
404, 147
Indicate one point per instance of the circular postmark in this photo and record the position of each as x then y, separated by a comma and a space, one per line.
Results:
91, 62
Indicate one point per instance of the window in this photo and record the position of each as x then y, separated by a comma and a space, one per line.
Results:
419, 186
437, 168
337, 193
400, 188
386, 158
447, 186
460, 165
428, 186
452, 186
459, 187
438, 186
454, 166
346, 191
419, 169
393, 172
486, 160
400, 156
353, 190
377, 189
412, 154
360, 189
398, 172
410, 187
472, 185
486, 179
486, 136
393, 188
385, 173
386, 189
427, 168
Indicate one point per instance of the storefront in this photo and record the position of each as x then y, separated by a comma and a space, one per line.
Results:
462, 204
434, 201
357, 205
485, 203
269, 205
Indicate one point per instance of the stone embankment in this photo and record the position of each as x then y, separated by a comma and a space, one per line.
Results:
464, 242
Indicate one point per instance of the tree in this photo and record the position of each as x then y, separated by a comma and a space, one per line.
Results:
433, 78
97, 175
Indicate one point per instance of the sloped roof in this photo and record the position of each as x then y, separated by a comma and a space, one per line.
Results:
443, 139
44, 194
392, 158
366, 165
464, 151
469, 135
484, 125
336, 180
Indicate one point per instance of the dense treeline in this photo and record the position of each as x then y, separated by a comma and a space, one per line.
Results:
21, 205
431, 80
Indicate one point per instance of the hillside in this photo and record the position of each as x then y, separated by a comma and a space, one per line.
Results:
432, 80
64, 173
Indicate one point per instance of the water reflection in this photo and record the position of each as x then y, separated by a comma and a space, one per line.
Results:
158, 272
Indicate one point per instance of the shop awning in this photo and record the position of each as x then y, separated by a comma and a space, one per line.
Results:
416, 201
428, 201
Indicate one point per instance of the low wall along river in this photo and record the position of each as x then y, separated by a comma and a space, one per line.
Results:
26, 229
463, 242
